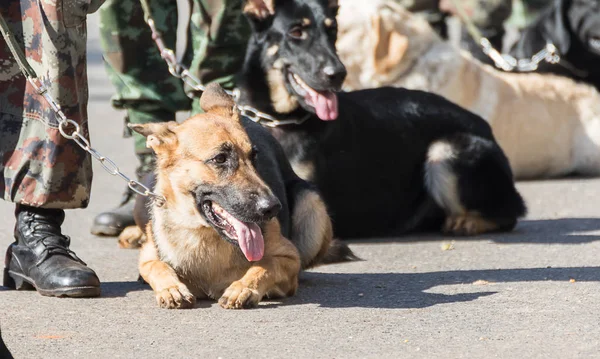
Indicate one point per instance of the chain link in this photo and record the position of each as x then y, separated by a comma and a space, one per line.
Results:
182, 72
507, 62
70, 129
65, 125
266, 119
175, 68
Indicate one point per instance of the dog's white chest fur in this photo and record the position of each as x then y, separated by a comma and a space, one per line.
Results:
207, 264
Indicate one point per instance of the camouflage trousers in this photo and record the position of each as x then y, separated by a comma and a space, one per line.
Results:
38, 167
217, 33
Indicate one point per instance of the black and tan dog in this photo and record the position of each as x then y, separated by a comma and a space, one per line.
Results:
386, 160
231, 201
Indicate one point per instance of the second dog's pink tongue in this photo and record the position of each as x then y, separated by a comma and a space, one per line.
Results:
326, 104
250, 239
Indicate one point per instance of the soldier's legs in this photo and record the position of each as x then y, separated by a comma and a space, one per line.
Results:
144, 86
41, 171
219, 36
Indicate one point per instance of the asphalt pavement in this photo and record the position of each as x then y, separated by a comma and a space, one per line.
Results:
531, 293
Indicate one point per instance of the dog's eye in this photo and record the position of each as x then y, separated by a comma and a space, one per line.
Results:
220, 159
298, 33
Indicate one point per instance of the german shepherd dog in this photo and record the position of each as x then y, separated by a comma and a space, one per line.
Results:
387, 160
221, 232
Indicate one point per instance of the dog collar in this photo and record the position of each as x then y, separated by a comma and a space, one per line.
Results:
266, 120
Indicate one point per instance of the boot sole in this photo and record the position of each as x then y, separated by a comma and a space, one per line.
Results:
18, 281
106, 231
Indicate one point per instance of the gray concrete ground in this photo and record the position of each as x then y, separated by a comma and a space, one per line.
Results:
532, 293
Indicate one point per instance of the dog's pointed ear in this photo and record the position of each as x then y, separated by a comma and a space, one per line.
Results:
158, 135
334, 7
259, 10
215, 100
389, 46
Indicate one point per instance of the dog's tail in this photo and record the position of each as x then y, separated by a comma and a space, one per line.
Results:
339, 252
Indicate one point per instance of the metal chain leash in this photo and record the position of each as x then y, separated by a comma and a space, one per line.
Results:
507, 62
65, 124
182, 72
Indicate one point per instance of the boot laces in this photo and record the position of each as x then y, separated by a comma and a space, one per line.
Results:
54, 243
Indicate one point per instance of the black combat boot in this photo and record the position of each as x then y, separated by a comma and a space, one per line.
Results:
113, 222
41, 259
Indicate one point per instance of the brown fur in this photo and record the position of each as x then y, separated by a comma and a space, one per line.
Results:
282, 100
390, 48
132, 237
310, 225
547, 125
468, 224
184, 258
200, 264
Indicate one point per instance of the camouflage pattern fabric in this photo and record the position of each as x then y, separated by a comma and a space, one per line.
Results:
38, 166
217, 39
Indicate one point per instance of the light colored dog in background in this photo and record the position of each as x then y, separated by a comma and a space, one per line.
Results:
548, 126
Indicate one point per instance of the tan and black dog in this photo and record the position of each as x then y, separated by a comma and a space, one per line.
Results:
387, 161
231, 201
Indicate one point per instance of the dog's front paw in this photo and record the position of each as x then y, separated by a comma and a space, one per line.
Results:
176, 297
132, 237
238, 296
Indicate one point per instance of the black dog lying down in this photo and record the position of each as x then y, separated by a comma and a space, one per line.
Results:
387, 160
573, 26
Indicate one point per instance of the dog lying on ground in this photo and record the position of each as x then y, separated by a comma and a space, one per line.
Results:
573, 26
547, 125
222, 231
386, 161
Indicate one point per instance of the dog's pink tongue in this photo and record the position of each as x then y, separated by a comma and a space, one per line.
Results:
250, 239
326, 104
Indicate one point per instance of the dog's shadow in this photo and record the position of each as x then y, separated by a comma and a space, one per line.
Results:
552, 231
411, 290
392, 290
546, 231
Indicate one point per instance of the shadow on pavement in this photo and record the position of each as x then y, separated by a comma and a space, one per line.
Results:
120, 289
409, 290
394, 290
547, 231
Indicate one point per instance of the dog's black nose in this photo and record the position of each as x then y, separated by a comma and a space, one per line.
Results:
268, 207
335, 74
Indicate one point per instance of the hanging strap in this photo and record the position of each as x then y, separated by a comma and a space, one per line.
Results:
15, 49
